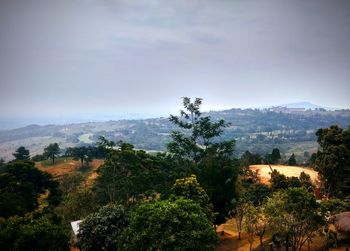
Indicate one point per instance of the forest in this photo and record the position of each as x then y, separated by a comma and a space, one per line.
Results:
177, 199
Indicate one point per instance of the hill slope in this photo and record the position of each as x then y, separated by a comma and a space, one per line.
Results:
255, 130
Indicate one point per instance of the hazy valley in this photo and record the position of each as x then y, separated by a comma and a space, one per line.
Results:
290, 129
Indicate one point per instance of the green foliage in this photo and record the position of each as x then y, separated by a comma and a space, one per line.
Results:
218, 177
305, 181
335, 206
210, 159
82, 153
25, 234
128, 175
101, 230
189, 188
256, 193
71, 182
250, 221
249, 158
38, 157
51, 151
280, 181
77, 204
169, 225
333, 159
295, 214
292, 161
21, 153
274, 157
198, 140
20, 186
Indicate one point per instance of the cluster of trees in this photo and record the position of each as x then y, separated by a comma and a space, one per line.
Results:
28, 197
177, 223
163, 201
169, 201
85, 154
287, 209
332, 160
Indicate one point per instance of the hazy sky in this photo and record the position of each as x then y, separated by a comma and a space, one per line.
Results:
78, 57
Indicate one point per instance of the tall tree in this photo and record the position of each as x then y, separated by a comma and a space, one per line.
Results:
333, 159
274, 157
21, 153
51, 151
292, 161
197, 143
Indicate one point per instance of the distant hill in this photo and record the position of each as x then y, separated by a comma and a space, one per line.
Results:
306, 105
291, 130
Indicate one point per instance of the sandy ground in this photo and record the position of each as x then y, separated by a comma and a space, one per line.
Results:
289, 171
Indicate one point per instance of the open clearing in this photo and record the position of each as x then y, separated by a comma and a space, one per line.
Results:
67, 166
289, 171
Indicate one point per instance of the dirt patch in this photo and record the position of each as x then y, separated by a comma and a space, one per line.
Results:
289, 171
71, 166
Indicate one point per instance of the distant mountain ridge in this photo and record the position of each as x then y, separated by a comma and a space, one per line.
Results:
304, 104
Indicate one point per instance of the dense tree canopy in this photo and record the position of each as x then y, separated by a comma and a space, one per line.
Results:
333, 159
27, 234
294, 214
21, 153
21, 184
77, 204
128, 175
169, 225
101, 230
189, 188
82, 153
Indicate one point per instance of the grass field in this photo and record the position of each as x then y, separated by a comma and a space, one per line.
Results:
68, 165
85, 138
289, 171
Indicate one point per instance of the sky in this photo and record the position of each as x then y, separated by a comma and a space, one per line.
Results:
100, 58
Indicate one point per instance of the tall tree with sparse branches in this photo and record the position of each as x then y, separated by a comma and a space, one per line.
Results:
197, 146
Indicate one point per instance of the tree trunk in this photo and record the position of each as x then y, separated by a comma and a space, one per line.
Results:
53, 159
287, 243
82, 162
261, 240
239, 235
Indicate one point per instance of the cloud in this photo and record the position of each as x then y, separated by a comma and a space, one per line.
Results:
98, 55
